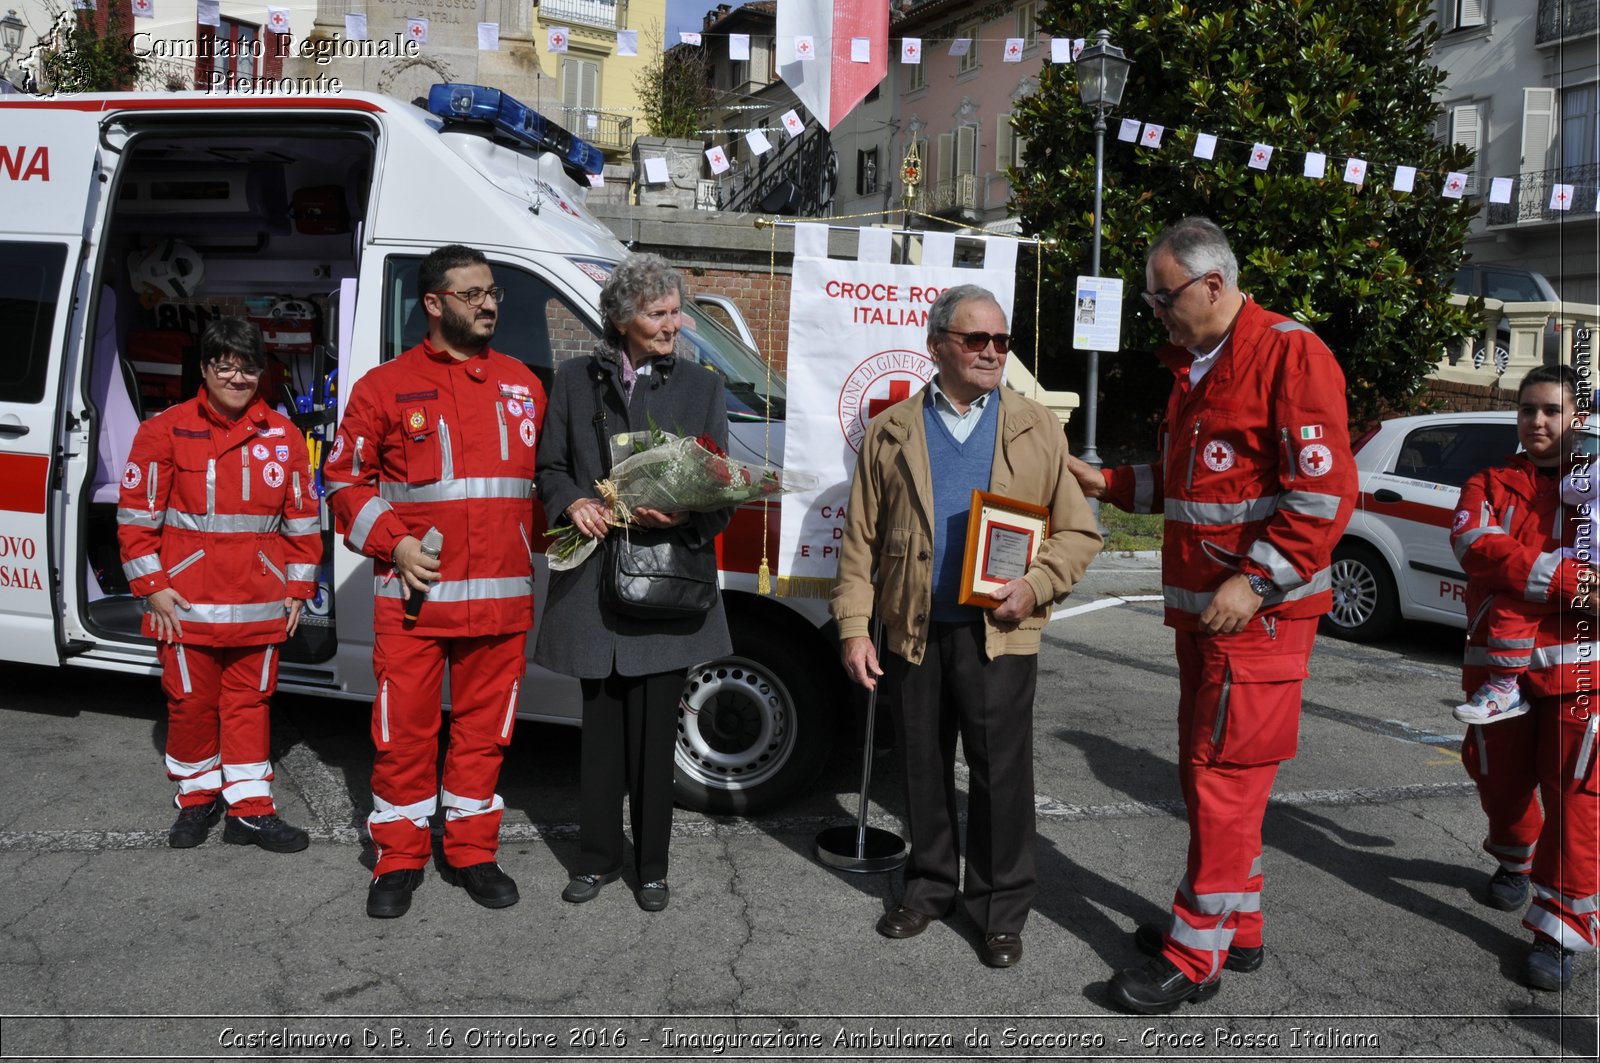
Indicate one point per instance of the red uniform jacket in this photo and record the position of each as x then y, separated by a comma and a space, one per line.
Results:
428, 441
1507, 534
226, 515
1256, 473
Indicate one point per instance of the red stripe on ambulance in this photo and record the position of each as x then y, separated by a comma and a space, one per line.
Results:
22, 482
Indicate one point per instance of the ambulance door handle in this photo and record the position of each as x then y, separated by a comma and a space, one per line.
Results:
13, 429
1383, 494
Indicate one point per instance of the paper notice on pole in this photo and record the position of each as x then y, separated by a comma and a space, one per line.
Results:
1097, 314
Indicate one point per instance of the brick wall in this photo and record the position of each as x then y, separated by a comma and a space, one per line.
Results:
757, 293
1444, 397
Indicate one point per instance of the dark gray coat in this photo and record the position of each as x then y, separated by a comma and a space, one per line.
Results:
577, 635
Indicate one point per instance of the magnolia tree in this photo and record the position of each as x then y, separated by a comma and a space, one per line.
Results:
78, 57
1368, 267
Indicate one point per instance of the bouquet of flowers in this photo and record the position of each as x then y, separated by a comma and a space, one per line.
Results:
673, 474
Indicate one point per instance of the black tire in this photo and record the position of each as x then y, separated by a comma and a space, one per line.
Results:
755, 728
1366, 606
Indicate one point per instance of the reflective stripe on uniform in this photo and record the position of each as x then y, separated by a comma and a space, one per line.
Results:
239, 613
1540, 576
1196, 602
304, 573
463, 590
139, 518
183, 671
302, 526
458, 807
1210, 903
1560, 654
266, 667
1575, 905
361, 527
234, 792
1552, 926
148, 565
193, 777
516, 488
1465, 540
1289, 326
1310, 504
1183, 511
417, 812
511, 710
225, 523
1144, 488
1271, 558
1201, 940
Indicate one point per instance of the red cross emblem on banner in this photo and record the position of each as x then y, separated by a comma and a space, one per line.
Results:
558, 40
1150, 134
718, 159
141, 5
1454, 184
416, 29
899, 391
1355, 171
277, 18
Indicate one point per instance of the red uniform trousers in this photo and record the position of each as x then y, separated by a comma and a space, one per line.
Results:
485, 676
1238, 718
219, 731
1549, 750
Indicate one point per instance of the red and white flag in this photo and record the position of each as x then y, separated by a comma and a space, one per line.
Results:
1455, 185
1560, 197
911, 50
791, 122
830, 85
1013, 52
556, 39
1260, 157
417, 30
718, 160
1355, 171
144, 9
1151, 138
278, 19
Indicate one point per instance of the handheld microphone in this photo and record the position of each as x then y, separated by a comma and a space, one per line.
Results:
432, 543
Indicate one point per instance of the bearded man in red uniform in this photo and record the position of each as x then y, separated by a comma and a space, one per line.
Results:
443, 437
1257, 483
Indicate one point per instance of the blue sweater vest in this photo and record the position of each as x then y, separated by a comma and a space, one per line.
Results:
958, 470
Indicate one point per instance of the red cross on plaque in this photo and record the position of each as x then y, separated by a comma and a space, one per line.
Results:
1355, 171
1315, 460
899, 391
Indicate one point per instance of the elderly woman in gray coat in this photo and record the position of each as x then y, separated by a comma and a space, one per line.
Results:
632, 671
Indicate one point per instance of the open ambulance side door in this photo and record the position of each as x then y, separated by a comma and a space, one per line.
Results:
49, 185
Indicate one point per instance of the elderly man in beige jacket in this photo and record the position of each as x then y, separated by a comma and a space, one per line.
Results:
960, 668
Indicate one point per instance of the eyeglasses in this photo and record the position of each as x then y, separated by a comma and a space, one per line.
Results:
1164, 300
977, 341
227, 371
474, 297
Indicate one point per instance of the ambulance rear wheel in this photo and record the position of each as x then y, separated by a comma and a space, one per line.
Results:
754, 728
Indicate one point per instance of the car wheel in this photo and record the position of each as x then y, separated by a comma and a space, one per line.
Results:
1365, 604
755, 727
1502, 357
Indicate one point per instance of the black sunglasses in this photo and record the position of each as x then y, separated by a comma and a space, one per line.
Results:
977, 341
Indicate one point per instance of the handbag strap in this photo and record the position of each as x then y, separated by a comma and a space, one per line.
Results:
600, 419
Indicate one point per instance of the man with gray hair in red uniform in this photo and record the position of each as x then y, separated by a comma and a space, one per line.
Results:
1257, 484
431, 475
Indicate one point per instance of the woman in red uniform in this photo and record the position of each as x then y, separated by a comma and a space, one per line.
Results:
1507, 534
220, 533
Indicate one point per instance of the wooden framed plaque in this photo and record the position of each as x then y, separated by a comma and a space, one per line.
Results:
1003, 538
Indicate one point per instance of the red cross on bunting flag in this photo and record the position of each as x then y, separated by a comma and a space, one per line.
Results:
278, 19
911, 50
718, 160
557, 39
1355, 170
1152, 135
1561, 197
417, 30
144, 9
805, 49
1013, 50
1260, 156
1455, 185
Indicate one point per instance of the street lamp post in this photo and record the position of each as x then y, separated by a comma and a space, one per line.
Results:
10, 39
1102, 75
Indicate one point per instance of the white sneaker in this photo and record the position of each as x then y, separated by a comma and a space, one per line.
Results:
1488, 705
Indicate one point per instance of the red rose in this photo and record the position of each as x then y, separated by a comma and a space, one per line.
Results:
711, 445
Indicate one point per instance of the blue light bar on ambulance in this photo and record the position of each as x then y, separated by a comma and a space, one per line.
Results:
475, 103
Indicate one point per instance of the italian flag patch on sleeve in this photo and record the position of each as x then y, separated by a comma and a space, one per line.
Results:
1311, 431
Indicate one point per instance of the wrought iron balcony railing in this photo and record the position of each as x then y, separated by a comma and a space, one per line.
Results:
160, 74
1530, 198
611, 132
582, 12
958, 195
1560, 19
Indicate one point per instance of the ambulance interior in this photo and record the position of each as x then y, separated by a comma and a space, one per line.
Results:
260, 221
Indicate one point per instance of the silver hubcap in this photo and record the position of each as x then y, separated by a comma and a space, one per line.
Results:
1355, 593
735, 724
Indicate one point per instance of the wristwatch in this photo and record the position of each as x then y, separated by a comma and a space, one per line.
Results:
1260, 584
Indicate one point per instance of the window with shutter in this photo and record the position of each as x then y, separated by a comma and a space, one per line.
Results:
1003, 135
1028, 23
1465, 14
1538, 128
970, 60
1465, 126
580, 85
966, 149
946, 162
1580, 127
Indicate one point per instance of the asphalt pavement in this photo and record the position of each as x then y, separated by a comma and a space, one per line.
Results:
112, 945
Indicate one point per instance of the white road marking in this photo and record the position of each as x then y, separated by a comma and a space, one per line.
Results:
1063, 612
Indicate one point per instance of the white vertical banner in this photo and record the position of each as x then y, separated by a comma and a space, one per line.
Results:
858, 343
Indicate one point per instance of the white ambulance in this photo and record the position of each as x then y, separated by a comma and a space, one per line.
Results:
128, 221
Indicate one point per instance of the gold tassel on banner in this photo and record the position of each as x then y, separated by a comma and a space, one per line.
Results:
764, 576
805, 587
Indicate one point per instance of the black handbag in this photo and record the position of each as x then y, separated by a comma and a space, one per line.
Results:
650, 573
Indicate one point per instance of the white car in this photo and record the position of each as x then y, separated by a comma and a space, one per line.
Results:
1395, 559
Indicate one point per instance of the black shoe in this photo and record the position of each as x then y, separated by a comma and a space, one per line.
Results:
653, 895
389, 896
269, 832
1157, 988
1001, 950
586, 887
1508, 890
484, 883
193, 824
1240, 958
903, 922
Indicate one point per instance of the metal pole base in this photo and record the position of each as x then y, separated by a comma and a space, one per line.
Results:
861, 849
